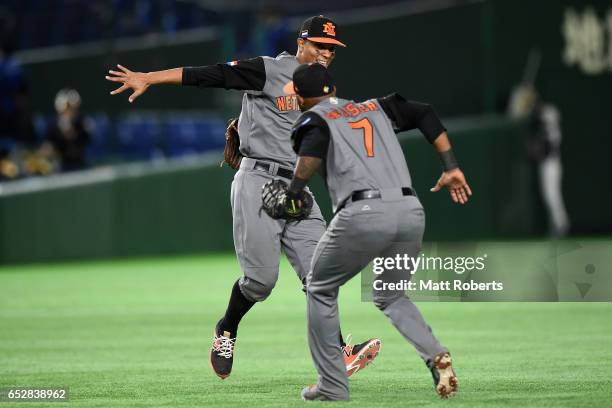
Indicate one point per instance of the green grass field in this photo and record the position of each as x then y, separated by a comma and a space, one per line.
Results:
136, 333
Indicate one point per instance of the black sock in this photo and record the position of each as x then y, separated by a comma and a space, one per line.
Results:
238, 306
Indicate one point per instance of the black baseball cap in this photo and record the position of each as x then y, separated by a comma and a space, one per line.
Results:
320, 29
312, 80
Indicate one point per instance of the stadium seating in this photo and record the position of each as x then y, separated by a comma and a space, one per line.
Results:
100, 130
139, 137
186, 134
145, 135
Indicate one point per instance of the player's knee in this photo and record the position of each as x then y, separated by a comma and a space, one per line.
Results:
255, 290
322, 292
382, 301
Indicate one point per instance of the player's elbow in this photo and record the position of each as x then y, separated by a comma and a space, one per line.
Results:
426, 110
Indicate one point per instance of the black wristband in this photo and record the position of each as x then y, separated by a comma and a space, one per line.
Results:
449, 162
297, 185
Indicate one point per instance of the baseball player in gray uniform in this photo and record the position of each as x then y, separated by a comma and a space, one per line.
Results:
377, 214
269, 109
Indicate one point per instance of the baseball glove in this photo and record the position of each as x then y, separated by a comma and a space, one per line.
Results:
231, 153
278, 203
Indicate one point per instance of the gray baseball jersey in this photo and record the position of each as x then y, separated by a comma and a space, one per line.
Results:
364, 153
267, 115
269, 109
265, 136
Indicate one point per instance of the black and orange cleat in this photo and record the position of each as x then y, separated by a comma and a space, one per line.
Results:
222, 353
445, 379
359, 356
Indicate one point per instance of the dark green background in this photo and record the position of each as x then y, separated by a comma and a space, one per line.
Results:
464, 60
187, 209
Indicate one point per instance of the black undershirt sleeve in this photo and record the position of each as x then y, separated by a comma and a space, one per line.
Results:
244, 75
311, 136
407, 115
315, 142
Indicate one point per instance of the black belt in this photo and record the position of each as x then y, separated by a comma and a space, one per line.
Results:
267, 167
370, 194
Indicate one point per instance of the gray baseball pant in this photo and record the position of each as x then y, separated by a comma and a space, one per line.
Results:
360, 232
258, 238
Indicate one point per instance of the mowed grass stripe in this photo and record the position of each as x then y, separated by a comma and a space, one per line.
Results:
135, 333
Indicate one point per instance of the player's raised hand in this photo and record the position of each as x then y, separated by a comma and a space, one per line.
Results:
454, 180
136, 81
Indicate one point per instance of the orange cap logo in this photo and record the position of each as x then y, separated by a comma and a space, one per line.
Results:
329, 29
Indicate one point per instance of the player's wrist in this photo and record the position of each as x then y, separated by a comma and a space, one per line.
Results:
297, 184
449, 161
149, 78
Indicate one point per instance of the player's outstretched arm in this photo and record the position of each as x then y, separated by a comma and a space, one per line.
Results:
139, 82
452, 177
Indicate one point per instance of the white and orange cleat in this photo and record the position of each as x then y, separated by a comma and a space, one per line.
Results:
358, 356
445, 379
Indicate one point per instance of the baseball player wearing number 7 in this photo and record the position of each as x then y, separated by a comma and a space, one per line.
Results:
269, 109
377, 214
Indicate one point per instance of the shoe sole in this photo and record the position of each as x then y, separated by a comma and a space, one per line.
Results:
319, 397
448, 384
365, 356
221, 376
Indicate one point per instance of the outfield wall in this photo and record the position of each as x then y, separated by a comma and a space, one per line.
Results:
462, 57
183, 206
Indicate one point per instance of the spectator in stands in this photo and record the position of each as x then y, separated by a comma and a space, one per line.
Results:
16, 128
67, 137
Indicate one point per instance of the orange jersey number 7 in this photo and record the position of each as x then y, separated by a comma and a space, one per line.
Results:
368, 134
